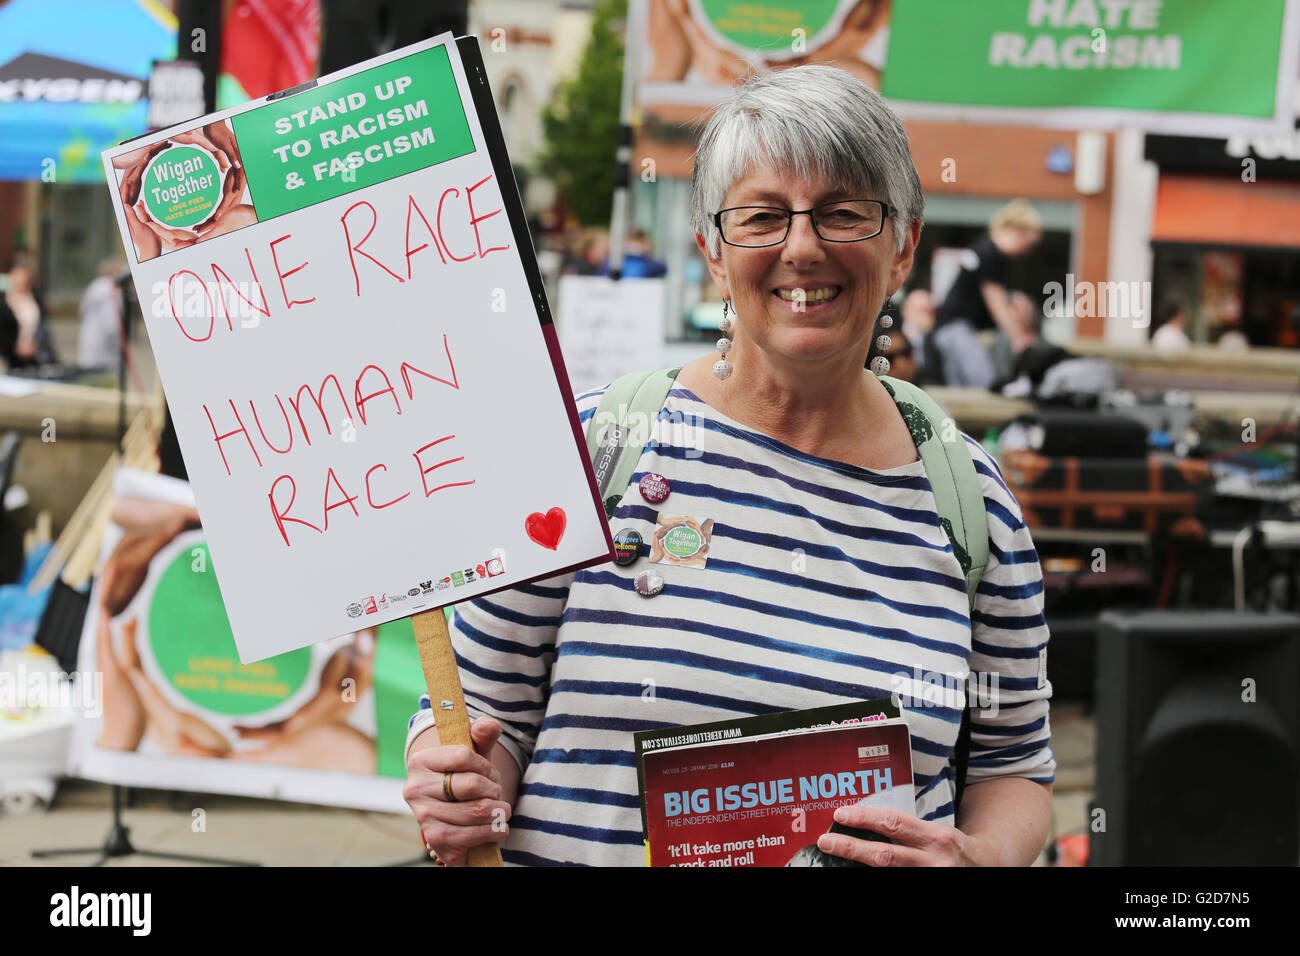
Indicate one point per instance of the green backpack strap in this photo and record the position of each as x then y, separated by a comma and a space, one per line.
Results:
623, 422
959, 501
958, 495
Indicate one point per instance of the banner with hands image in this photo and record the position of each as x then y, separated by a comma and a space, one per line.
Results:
1190, 67
322, 724
356, 351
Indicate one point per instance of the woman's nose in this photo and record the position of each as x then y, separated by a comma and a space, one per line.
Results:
803, 245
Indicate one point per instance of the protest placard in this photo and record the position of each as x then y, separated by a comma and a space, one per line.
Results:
352, 334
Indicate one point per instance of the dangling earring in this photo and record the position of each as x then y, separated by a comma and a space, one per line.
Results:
880, 364
722, 368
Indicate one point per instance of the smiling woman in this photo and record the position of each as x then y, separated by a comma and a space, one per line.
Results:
820, 564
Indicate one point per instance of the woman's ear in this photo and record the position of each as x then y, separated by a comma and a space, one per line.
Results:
716, 268
902, 266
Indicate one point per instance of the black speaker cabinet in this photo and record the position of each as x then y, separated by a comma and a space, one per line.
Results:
1198, 714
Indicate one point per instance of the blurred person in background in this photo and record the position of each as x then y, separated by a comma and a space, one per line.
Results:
638, 258
589, 253
24, 331
99, 341
980, 298
1169, 333
1232, 339
918, 322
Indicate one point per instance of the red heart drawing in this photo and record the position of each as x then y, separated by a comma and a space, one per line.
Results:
546, 529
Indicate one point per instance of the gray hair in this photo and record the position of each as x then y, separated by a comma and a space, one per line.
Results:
811, 122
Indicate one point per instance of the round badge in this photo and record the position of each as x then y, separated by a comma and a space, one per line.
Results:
683, 541
649, 583
627, 546
654, 488
182, 187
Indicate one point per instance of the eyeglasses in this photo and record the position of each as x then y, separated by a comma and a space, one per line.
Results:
851, 220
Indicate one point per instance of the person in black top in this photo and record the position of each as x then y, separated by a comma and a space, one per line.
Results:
979, 298
25, 340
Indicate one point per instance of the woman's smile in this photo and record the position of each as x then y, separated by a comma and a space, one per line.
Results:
808, 298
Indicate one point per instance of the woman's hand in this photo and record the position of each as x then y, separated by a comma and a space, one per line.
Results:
917, 842
478, 816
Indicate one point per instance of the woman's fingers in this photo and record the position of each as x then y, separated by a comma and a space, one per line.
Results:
465, 786
900, 827
452, 844
916, 842
485, 732
453, 758
472, 813
870, 852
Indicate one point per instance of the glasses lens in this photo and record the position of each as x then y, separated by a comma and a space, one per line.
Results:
754, 225
849, 220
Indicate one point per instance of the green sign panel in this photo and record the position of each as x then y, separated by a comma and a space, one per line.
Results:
352, 133
1176, 56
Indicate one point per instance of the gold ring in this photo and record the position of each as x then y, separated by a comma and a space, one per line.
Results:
446, 789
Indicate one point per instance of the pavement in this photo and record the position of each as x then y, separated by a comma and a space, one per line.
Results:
276, 833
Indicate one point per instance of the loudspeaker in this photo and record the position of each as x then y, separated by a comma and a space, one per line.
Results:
1198, 716
1089, 433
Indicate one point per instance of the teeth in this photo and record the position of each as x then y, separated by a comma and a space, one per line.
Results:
810, 296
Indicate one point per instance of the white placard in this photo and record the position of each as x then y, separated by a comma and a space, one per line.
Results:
410, 308
609, 328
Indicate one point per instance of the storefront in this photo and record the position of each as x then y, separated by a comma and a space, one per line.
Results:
1225, 235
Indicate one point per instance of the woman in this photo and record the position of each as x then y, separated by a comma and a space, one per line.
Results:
24, 332
828, 573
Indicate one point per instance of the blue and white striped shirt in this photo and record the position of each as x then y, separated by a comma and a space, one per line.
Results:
825, 583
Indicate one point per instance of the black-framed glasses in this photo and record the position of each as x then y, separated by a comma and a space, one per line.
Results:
850, 220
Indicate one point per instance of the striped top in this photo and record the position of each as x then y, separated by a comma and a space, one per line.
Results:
825, 583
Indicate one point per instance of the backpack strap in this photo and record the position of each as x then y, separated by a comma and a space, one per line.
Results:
624, 421
958, 495
959, 500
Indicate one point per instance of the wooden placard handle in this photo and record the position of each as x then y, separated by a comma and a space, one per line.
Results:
442, 678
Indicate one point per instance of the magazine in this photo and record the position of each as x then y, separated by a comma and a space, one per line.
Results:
759, 791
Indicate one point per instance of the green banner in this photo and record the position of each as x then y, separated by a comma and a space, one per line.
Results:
352, 133
1191, 56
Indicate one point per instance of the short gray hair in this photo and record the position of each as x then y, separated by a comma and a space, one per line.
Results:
812, 122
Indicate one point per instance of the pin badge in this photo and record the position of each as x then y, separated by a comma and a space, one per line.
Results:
649, 583
681, 540
654, 488
627, 546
